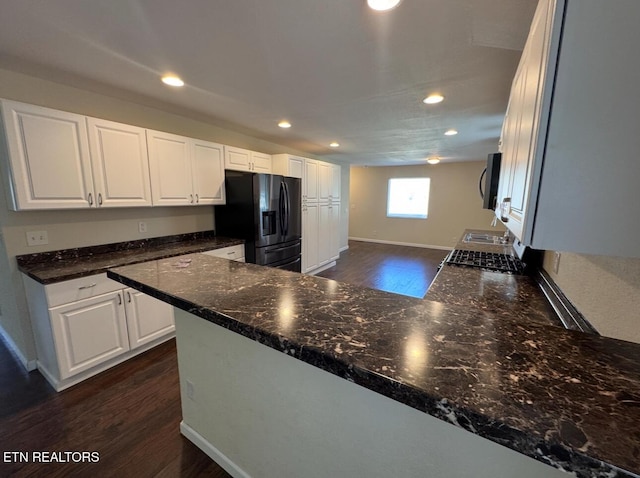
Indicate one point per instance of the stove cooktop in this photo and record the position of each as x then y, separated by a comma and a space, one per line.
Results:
491, 261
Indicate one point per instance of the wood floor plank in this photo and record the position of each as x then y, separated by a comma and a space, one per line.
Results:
399, 269
129, 414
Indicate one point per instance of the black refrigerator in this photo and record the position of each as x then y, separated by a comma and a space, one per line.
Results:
265, 211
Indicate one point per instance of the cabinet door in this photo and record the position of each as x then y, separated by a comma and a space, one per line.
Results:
120, 164
237, 159
310, 237
170, 165
310, 181
261, 163
523, 120
336, 180
296, 167
334, 231
89, 332
147, 318
324, 234
49, 157
208, 172
325, 175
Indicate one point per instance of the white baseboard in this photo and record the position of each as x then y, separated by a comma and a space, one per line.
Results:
344, 248
395, 243
321, 268
212, 452
29, 365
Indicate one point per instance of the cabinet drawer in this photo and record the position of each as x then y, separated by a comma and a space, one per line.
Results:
234, 253
77, 289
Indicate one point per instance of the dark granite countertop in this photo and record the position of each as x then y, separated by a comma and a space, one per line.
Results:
501, 294
58, 266
565, 398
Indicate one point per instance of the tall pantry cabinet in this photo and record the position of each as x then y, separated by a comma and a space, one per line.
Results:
320, 208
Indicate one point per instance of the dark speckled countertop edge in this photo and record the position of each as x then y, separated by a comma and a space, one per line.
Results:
57, 266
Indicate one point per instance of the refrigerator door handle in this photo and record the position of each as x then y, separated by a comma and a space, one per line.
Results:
282, 208
287, 209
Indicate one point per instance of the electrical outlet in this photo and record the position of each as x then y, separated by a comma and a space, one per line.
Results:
556, 262
37, 238
191, 390
142, 226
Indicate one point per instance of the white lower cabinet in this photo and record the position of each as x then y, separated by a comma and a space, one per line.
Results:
84, 326
89, 332
233, 253
147, 318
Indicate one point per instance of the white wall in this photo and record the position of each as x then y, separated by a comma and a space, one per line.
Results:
454, 204
68, 229
606, 290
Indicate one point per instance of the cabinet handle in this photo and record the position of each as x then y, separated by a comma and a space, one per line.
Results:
99, 199
128, 296
230, 253
87, 286
119, 299
191, 195
90, 199
197, 199
505, 207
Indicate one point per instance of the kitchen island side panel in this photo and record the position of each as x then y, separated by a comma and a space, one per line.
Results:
267, 414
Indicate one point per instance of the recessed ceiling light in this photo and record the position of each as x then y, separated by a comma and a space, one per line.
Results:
334, 144
434, 160
451, 132
382, 5
172, 80
433, 99
284, 124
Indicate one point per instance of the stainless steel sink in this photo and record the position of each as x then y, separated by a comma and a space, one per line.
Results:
484, 238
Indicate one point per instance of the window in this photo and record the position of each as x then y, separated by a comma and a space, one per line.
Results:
408, 197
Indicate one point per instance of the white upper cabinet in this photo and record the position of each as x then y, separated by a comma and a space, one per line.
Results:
207, 166
288, 165
240, 159
120, 164
261, 162
49, 157
328, 182
311, 180
569, 140
336, 182
170, 165
185, 171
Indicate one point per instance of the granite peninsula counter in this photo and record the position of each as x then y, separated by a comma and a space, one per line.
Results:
565, 398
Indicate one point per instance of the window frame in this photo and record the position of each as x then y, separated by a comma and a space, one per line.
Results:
408, 215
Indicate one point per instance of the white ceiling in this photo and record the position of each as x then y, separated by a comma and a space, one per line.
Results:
335, 69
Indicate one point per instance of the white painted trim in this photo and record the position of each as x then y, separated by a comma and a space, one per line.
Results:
395, 243
344, 248
29, 365
321, 268
212, 452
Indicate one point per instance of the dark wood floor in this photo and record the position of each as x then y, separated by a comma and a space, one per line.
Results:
398, 269
129, 414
